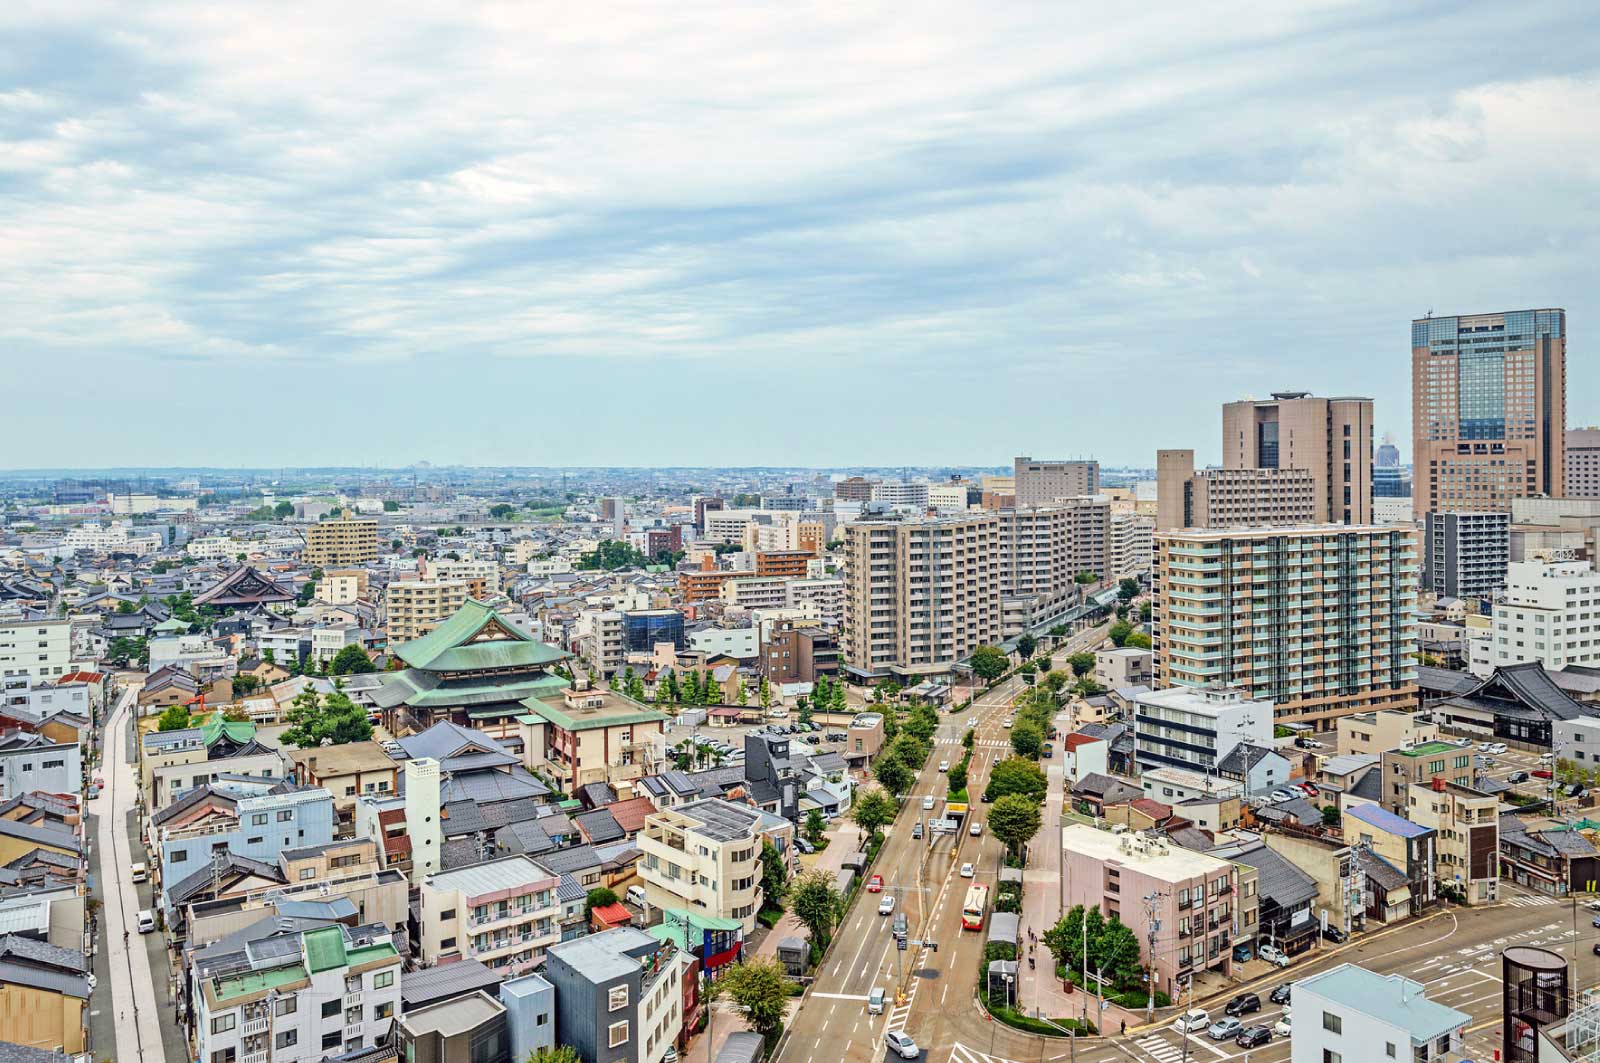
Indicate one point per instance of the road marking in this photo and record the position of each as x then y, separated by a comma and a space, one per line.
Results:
838, 996
1160, 1049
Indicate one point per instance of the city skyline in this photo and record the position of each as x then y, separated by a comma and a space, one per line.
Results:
949, 242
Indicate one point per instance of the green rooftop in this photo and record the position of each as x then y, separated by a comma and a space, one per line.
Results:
253, 982
325, 949
1432, 749
240, 731
476, 638
617, 711
368, 953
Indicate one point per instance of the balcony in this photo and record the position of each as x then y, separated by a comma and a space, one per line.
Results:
354, 1032
353, 1000
256, 1025
254, 1057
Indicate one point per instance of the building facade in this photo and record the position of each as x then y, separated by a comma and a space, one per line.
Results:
1329, 438
705, 855
341, 542
1230, 498
1548, 615
1351, 1015
1582, 463
1488, 409
1184, 727
1318, 619
1042, 482
618, 994
38, 649
416, 607
1464, 555
503, 913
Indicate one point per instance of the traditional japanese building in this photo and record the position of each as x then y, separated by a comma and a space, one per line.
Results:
243, 588
475, 669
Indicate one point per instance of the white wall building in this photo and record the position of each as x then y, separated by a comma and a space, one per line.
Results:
39, 649
1195, 727
215, 548
1550, 614
1353, 1015
901, 494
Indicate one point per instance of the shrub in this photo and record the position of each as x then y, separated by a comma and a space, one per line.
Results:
768, 917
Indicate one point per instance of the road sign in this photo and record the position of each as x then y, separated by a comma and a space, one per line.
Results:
900, 943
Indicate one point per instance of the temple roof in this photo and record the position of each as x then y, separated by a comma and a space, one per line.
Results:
243, 586
474, 639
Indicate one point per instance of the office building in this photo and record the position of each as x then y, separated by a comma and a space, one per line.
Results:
854, 489
1464, 555
1352, 1015
1230, 498
644, 629
920, 595
1317, 619
1038, 483
414, 607
504, 913
704, 855
1136, 877
1406, 766
1185, 727
704, 505
1488, 409
38, 649
618, 996
899, 493
343, 542
1582, 463
1329, 438
1389, 478
1548, 615
793, 652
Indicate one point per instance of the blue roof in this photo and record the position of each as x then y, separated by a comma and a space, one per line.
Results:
1385, 820
1391, 999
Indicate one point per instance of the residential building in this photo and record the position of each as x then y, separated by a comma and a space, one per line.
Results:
304, 995
1582, 463
588, 736
1276, 898
822, 598
704, 855
854, 489
1466, 826
1040, 551
482, 577
756, 592
1139, 878
30, 762
341, 586
38, 649
892, 493
341, 543
471, 1028
921, 594
1407, 766
1317, 619
787, 563
1230, 498
1042, 482
1554, 860
504, 913
44, 996
865, 734
794, 652
1550, 614
530, 1003
1408, 847
1464, 555
415, 607
1329, 438
1488, 409
1125, 666
1258, 769
698, 584
347, 771
618, 994
1351, 1015
1132, 539
1186, 727
602, 642
1373, 733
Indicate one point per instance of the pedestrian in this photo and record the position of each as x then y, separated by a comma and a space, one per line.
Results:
1124, 1025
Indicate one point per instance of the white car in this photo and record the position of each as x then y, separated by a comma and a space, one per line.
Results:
1485, 747
1189, 1022
944, 765
976, 830
966, 871
1497, 748
886, 906
972, 721
1273, 955
927, 803
901, 1044
1463, 742
1008, 723
1281, 1028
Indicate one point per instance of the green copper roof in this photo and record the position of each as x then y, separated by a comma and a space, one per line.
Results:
619, 711
674, 928
422, 690
449, 647
324, 949
1432, 749
240, 731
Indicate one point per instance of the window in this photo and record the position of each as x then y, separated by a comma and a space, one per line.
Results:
617, 998
285, 816
382, 1011
307, 873
330, 1008
1388, 1049
1330, 1056
447, 943
448, 913
287, 1005
333, 1040
224, 1022
224, 1055
258, 820
285, 1038
383, 980
617, 1034
178, 857
1332, 1023
352, 1016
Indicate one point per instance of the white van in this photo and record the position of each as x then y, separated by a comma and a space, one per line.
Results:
875, 1001
146, 921
635, 896
140, 873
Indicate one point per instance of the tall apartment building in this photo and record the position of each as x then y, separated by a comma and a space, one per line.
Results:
1317, 619
704, 505
482, 577
854, 489
823, 597
1464, 555
341, 542
704, 855
417, 606
1036, 566
38, 649
1230, 498
1088, 534
920, 595
1182, 727
1132, 535
1583, 463
894, 493
1488, 409
1550, 614
1329, 438
1039, 483
788, 563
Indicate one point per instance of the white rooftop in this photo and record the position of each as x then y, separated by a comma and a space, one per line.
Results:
1158, 859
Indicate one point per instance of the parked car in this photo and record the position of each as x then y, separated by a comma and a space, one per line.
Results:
1541, 773
1517, 776
804, 846
1047, 751
1280, 994
1273, 955
1225, 1028
1282, 1028
875, 884
1462, 742
1335, 935
1190, 1021
886, 906
1243, 1004
901, 1044
1496, 748
1597, 948
146, 920
966, 871
1243, 953
1485, 747
635, 896
1280, 795
1576, 790
1251, 1036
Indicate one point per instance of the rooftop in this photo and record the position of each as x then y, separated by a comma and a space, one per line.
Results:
506, 873
1384, 820
1156, 859
1391, 999
451, 1018
1428, 749
589, 709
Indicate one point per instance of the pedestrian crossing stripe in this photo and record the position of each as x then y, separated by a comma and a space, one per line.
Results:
960, 1053
1532, 901
1160, 1048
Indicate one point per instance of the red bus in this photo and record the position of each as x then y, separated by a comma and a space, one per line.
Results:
974, 907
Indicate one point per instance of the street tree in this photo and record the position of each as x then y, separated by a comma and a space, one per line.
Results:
1137, 640
760, 989
893, 774
1027, 739
1017, 775
989, 663
816, 904
1026, 644
774, 875
1015, 820
1119, 633
873, 809
1128, 589
815, 826
1082, 663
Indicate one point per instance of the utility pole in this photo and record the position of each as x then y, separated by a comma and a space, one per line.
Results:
1154, 926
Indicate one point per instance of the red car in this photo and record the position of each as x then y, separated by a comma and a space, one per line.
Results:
875, 884
1542, 773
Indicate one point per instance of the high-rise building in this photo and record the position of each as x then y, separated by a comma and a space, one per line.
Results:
1230, 498
1131, 536
920, 594
854, 489
900, 493
1329, 438
1583, 463
1547, 615
1464, 555
341, 542
1389, 478
1488, 409
1317, 619
415, 607
703, 505
1039, 483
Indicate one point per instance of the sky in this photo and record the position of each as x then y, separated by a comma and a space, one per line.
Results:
362, 233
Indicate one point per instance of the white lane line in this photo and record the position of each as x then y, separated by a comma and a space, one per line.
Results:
838, 996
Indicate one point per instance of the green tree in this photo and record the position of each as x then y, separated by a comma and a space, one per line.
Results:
334, 720
1026, 644
554, 1054
501, 510
1128, 589
1087, 688
1015, 819
924, 721
1065, 939
802, 706
269, 656
1017, 776
1116, 952
957, 778
175, 718
989, 663
245, 683
741, 693
1119, 633
391, 506
765, 694
816, 826
873, 809
1054, 681
1082, 663
126, 652
1086, 577
1027, 739
283, 510
892, 773
599, 897
1137, 640
1331, 816
816, 904
351, 660
1145, 610
124, 608
774, 875
760, 989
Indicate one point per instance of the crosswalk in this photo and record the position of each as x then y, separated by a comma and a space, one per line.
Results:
1160, 1049
1532, 900
960, 1053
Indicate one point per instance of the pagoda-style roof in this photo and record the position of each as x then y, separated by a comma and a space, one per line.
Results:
243, 587
477, 639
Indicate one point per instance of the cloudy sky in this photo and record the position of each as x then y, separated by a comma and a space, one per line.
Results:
520, 233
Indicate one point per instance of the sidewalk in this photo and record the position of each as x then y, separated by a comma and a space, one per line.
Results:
1039, 992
